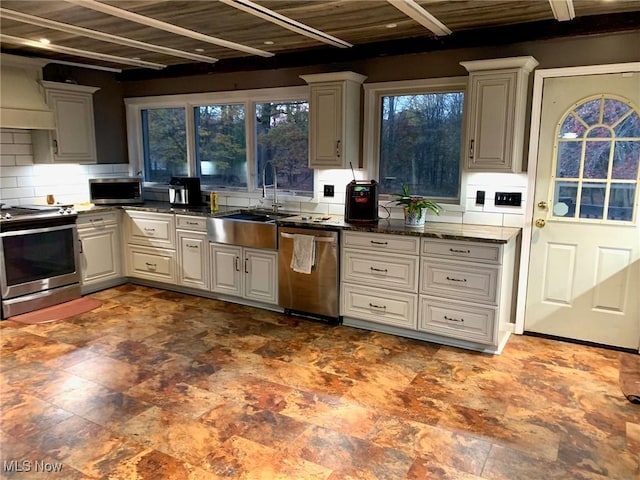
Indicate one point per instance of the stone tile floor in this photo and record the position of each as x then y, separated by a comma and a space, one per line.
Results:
160, 385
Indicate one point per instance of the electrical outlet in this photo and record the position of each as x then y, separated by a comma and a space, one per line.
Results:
480, 197
328, 191
511, 199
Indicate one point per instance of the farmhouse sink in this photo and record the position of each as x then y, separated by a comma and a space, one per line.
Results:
247, 228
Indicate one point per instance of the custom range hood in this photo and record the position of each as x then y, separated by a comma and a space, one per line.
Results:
22, 97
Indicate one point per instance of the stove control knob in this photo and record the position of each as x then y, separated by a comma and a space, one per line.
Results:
7, 216
61, 211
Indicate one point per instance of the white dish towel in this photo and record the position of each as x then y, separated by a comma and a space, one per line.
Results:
304, 253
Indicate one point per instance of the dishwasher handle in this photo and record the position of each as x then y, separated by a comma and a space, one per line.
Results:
315, 239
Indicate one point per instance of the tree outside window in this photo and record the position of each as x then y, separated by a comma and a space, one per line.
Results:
164, 143
221, 155
282, 138
420, 141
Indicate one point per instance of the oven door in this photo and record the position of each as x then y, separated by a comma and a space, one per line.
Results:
38, 259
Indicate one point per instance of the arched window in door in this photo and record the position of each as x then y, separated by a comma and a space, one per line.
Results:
597, 155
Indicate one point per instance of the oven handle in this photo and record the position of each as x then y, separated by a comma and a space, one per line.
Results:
28, 231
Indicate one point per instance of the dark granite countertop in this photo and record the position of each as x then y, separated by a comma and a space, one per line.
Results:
448, 231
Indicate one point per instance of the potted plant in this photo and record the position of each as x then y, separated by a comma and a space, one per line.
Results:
415, 207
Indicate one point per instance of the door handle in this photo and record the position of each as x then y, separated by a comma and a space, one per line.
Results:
542, 205
540, 223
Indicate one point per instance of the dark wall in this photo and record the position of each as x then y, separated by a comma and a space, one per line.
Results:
590, 50
108, 107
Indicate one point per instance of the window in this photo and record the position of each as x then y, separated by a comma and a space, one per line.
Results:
597, 156
164, 141
221, 154
282, 134
419, 126
225, 138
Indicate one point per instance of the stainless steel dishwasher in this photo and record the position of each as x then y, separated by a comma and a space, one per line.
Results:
315, 294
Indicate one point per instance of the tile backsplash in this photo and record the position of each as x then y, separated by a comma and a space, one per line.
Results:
23, 182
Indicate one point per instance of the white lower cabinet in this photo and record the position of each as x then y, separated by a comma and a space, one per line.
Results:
454, 292
192, 252
100, 258
466, 291
379, 282
150, 240
244, 272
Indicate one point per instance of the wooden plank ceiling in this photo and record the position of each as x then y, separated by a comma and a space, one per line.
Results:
356, 23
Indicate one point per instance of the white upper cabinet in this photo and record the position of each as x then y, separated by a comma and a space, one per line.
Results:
497, 113
73, 140
334, 119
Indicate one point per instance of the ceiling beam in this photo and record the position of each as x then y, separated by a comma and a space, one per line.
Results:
106, 37
563, 10
167, 27
25, 42
286, 22
420, 15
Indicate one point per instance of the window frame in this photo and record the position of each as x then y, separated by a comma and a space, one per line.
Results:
373, 93
248, 98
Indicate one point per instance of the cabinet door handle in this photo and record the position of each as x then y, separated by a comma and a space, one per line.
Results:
81, 249
374, 269
338, 148
471, 148
456, 250
453, 319
237, 263
55, 147
246, 265
374, 242
379, 307
452, 279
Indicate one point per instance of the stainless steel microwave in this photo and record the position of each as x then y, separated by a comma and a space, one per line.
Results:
113, 191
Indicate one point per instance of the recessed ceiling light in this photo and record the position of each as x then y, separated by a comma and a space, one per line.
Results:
268, 42
199, 49
45, 41
391, 25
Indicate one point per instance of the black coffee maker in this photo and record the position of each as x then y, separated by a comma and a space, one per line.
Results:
361, 202
185, 191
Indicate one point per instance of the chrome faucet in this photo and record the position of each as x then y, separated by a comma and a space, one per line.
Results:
275, 204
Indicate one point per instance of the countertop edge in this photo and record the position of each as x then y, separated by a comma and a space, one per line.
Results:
434, 229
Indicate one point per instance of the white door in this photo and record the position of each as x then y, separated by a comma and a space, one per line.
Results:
584, 263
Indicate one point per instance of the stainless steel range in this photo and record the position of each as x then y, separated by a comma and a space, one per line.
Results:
39, 258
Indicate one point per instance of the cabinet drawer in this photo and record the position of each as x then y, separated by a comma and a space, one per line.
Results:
457, 320
382, 242
459, 281
481, 252
191, 223
152, 229
382, 270
152, 263
378, 305
88, 220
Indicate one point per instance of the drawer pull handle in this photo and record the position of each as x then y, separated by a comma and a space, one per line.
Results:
192, 245
452, 319
100, 219
192, 223
373, 242
456, 250
381, 307
150, 265
374, 269
451, 279
147, 229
